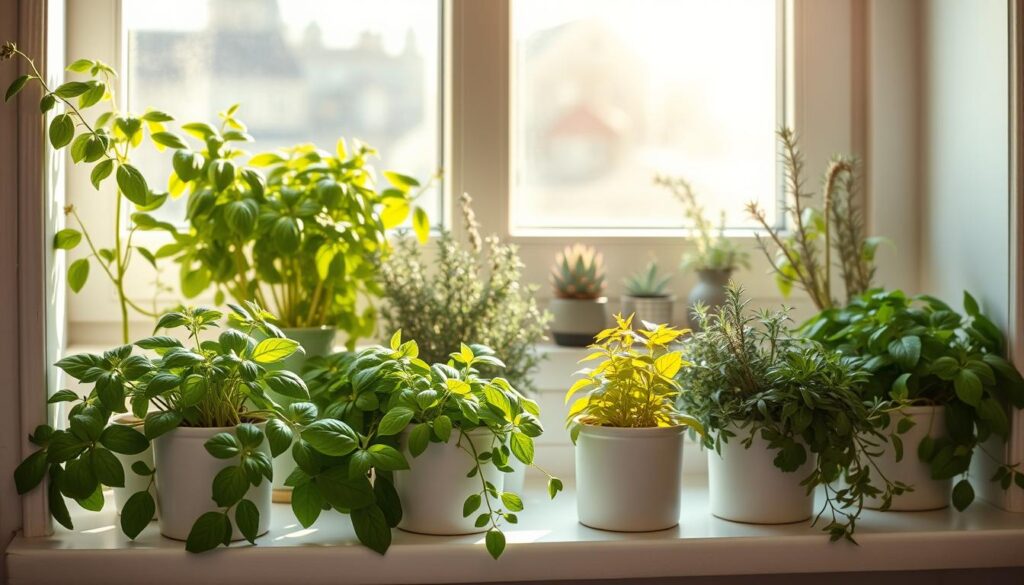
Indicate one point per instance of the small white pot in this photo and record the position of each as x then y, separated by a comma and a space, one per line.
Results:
435, 486
745, 485
184, 481
928, 494
657, 310
133, 482
629, 479
575, 322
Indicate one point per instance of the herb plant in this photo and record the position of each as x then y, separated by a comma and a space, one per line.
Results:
198, 383
920, 351
714, 251
633, 386
803, 256
465, 293
578, 273
391, 390
803, 399
648, 283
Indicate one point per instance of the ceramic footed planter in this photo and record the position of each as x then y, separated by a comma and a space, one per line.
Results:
133, 482
435, 486
315, 342
745, 485
709, 291
629, 479
577, 321
928, 493
655, 310
184, 480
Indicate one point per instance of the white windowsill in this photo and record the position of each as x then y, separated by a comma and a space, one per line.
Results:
548, 544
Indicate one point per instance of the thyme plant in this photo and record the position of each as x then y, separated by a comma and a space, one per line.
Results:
713, 250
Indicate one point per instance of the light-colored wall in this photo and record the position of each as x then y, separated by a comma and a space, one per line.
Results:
965, 153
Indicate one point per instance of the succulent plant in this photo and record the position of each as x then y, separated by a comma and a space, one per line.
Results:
578, 273
647, 282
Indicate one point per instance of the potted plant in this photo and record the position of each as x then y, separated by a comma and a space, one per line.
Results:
455, 431
646, 298
714, 257
783, 416
205, 409
948, 381
628, 432
578, 309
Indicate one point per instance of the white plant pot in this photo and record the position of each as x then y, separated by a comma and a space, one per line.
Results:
657, 310
629, 479
745, 485
575, 322
928, 494
184, 481
133, 482
435, 486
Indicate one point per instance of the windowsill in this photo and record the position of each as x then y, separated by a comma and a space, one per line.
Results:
548, 544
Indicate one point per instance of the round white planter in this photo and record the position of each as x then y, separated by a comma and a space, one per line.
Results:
745, 486
928, 494
629, 479
575, 322
657, 310
184, 481
435, 486
132, 482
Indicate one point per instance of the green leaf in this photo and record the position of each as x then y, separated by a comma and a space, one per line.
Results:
968, 387
992, 412
81, 65
223, 446
140, 468
287, 384
194, 282
331, 437
343, 492
274, 349
249, 435
79, 479
307, 503
421, 225
16, 86
472, 504
387, 458
971, 305
62, 396
93, 503
372, 528
67, 239
107, 468
247, 518
387, 498
554, 486
101, 171
132, 184
158, 423
906, 351
963, 494
78, 273
187, 165
522, 447
443, 428
395, 421
30, 472
394, 213
495, 541
279, 435
169, 139
62, 130
222, 174
137, 513
899, 389
71, 89
46, 103
229, 486
512, 502
419, 438
209, 531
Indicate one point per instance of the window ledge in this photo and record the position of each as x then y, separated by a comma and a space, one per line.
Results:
548, 544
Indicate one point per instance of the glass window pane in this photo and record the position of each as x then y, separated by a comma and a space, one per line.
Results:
609, 93
302, 70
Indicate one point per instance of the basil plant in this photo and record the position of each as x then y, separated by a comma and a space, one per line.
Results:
171, 383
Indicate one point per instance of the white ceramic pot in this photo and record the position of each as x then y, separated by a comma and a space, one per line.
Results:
627, 479
133, 482
745, 485
928, 494
315, 342
184, 481
657, 310
575, 322
435, 486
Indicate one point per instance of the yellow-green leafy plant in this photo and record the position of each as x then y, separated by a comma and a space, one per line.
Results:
578, 273
633, 385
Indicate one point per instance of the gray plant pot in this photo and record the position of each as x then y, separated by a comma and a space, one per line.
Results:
577, 321
657, 310
709, 290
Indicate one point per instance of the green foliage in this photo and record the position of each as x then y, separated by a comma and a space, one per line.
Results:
578, 273
749, 373
714, 251
647, 282
634, 383
472, 293
919, 350
435, 404
803, 253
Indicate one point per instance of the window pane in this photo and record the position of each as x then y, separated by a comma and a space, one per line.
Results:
302, 70
609, 93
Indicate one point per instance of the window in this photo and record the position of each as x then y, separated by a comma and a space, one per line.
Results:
302, 70
607, 94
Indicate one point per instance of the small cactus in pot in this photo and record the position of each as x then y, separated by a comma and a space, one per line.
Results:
579, 305
647, 296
